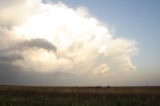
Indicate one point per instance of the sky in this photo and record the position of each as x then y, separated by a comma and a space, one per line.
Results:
79, 42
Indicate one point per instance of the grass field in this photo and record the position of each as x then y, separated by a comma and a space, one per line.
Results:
79, 96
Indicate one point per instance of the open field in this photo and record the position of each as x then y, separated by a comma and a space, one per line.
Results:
79, 96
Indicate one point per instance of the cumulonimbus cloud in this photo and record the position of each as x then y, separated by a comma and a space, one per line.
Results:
82, 44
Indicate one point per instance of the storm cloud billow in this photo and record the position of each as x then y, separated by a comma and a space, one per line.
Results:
54, 44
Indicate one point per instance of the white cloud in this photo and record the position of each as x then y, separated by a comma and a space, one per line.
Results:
84, 44
102, 69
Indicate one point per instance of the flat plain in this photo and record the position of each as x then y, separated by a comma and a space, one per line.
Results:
79, 96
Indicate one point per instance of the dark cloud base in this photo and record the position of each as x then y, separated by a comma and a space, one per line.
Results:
14, 75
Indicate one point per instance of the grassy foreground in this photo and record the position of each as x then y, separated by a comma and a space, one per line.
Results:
79, 96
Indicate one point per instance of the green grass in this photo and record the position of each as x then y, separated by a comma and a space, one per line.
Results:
79, 96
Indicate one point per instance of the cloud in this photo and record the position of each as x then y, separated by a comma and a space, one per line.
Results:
9, 58
33, 43
59, 44
16, 11
101, 69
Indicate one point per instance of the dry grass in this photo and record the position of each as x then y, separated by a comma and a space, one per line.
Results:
79, 96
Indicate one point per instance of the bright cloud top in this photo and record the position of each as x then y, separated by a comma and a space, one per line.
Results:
57, 38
